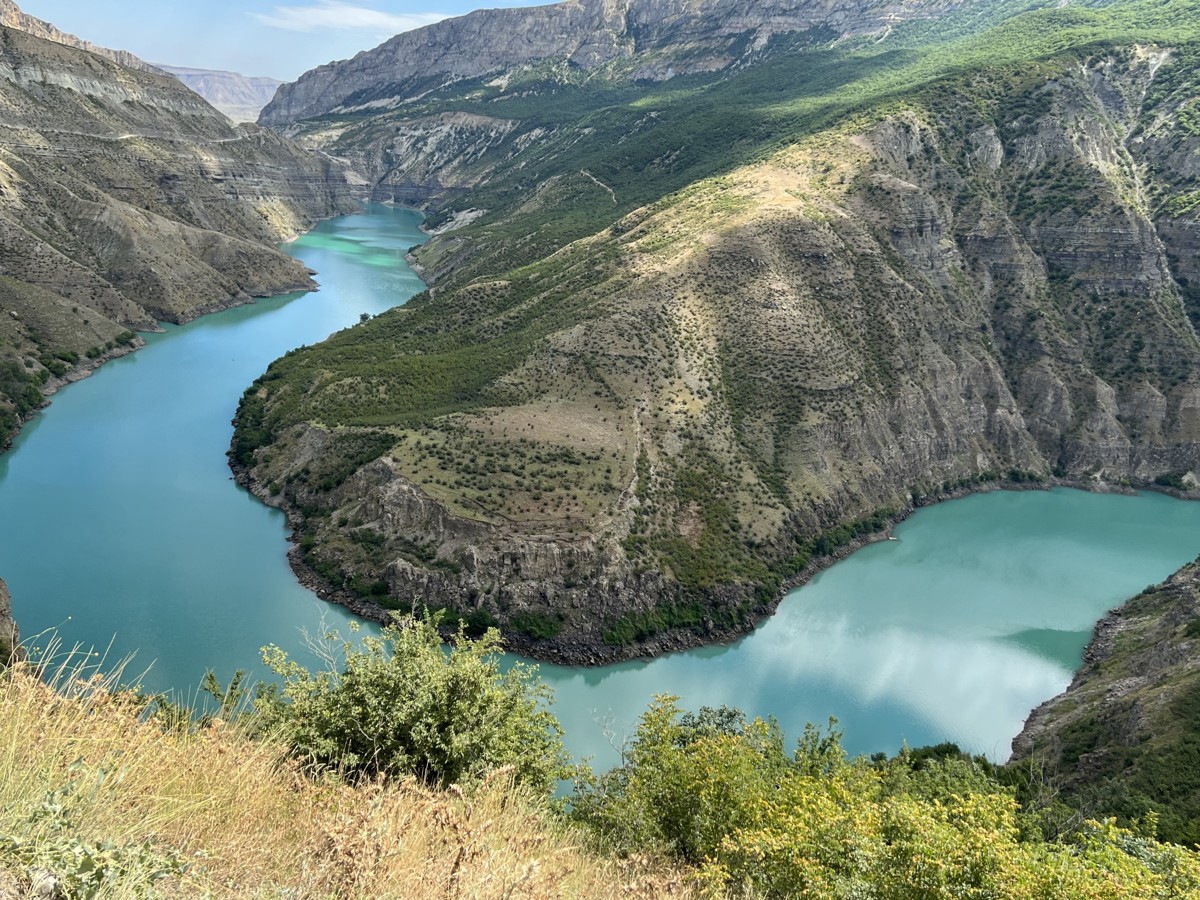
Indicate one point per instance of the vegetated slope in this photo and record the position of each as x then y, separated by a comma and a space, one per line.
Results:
1124, 738
125, 198
241, 97
883, 275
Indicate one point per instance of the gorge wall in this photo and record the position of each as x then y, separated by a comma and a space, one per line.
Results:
126, 199
638, 39
664, 419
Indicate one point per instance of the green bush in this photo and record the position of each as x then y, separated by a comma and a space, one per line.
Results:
687, 782
402, 704
721, 794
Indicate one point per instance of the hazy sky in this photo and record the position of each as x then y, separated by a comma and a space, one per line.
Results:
254, 37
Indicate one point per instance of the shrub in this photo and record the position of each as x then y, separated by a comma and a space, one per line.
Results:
687, 781
402, 704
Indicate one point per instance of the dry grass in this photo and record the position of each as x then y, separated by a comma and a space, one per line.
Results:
250, 825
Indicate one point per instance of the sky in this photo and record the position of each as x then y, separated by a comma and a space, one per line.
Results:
253, 37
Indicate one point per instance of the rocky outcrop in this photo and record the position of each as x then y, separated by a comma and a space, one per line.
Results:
1123, 733
126, 199
645, 39
11, 16
241, 97
10, 637
968, 290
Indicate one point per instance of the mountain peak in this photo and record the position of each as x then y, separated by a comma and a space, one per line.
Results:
11, 16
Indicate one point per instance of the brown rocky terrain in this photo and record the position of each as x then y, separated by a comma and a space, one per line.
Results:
125, 199
667, 418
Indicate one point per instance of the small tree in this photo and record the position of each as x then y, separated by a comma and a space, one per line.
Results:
402, 704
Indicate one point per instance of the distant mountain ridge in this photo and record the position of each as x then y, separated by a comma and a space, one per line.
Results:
651, 40
241, 97
11, 16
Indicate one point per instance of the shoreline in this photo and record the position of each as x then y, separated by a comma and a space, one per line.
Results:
85, 367
587, 651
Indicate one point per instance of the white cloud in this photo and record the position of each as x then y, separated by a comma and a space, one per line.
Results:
343, 16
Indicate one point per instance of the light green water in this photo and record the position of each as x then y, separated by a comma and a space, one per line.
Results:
119, 524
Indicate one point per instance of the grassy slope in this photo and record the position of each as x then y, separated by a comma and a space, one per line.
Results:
89, 787
536, 387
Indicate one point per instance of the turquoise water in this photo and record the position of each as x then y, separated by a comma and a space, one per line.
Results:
120, 525
978, 612
120, 521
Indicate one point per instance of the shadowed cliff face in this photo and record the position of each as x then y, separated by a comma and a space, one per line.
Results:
663, 417
638, 39
125, 198
9, 635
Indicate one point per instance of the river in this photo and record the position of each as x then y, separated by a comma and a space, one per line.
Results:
121, 529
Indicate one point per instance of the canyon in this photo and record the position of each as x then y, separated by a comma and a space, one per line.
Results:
685, 337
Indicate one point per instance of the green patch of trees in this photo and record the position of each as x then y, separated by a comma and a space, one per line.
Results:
400, 704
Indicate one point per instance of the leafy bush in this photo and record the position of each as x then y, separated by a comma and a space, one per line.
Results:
720, 793
687, 781
401, 704
59, 862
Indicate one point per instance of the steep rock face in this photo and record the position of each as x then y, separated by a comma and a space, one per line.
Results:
871, 317
125, 198
9, 635
11, 16
652, 39
241, 97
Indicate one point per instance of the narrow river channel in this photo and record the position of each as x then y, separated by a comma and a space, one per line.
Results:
121, 529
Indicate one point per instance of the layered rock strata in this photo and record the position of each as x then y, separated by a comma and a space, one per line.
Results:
126, 199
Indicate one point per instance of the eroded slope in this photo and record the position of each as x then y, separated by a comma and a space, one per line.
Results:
649, 428
125, 198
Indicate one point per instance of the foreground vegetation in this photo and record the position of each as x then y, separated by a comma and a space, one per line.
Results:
108, 793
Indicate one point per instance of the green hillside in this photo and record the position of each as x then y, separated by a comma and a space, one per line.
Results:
705, 330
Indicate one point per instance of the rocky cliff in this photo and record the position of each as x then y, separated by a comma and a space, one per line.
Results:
1122, 737
637, 39
125, 198
11, 16
241, 97
10, 637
